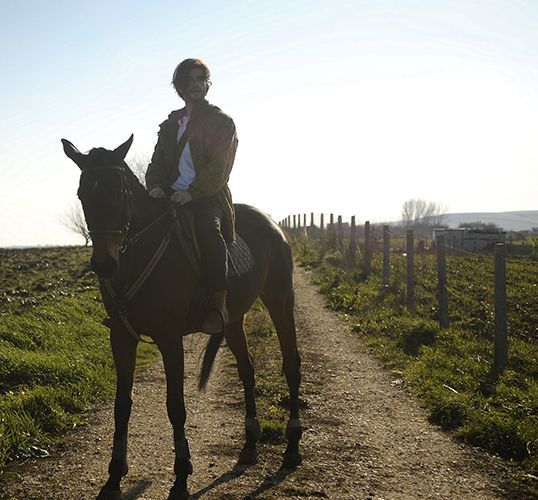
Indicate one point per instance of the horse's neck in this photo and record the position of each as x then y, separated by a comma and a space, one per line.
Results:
144, 222
145, 209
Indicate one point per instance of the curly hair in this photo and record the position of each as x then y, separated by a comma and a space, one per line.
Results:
182, 71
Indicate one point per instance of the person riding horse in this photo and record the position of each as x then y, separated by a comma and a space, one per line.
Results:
136, 257
191, 164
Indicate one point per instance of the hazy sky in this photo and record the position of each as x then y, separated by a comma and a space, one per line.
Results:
344, 106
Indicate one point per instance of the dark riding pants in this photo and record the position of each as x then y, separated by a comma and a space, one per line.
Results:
208, 215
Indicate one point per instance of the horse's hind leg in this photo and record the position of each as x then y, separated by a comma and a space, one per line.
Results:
280, 305
124, 352
237, 342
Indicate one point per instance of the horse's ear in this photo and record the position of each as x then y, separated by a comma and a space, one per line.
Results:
121, 151
72, 152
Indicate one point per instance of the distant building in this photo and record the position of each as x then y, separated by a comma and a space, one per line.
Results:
469, 239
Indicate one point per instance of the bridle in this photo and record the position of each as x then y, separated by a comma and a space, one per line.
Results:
121, 300
126, 195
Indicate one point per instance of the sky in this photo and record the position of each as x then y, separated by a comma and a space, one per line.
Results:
351, 107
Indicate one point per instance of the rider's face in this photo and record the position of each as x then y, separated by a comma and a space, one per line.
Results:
197, 86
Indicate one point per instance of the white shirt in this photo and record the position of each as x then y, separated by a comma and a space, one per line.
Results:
185, 167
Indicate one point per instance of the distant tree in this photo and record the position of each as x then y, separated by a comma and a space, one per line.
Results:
437, 214
422, 215
408, 212
73, 219
139, 165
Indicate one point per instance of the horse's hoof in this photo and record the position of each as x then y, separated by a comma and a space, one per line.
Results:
247, 457
109, 494
292, 460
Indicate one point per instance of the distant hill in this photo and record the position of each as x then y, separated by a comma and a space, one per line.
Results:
509, 221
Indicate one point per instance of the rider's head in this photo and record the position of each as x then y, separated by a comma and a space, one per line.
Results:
183, 75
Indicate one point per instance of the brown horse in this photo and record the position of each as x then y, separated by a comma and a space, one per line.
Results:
149, 287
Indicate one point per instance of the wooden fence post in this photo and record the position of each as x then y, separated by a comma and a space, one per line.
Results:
340, 233
410, 270
386, 256
501, 329
367, 248
442, 290
294, 222
299, 221
331, 231
353, 240
289, 222
304, 220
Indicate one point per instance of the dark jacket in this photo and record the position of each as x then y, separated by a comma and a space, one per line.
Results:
213, 143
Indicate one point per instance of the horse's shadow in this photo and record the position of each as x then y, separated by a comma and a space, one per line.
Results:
137, 490
270, 481
237, 471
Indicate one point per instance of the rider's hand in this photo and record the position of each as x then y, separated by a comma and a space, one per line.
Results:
181, 197
157, 192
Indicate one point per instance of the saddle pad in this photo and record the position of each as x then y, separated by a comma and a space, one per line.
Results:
240, 260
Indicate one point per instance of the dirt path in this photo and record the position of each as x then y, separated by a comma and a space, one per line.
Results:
365, 437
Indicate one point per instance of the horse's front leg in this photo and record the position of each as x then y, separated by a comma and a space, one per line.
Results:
172, 353
124, 353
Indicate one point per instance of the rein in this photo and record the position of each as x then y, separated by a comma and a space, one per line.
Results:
122, 301
134, 239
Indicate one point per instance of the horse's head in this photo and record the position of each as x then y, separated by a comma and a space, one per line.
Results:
106, 201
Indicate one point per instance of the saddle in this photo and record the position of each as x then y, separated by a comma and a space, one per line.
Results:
239, 257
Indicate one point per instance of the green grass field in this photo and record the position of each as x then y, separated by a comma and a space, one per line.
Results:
449, 369
55, 357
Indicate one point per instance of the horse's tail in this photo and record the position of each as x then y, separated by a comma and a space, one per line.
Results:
210, 353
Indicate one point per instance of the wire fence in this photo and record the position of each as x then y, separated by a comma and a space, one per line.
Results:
396, 244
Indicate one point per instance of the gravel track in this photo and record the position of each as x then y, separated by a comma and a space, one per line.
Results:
365, 437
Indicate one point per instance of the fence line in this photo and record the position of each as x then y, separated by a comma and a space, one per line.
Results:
335, 233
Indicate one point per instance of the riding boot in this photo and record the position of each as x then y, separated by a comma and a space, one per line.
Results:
217, 316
